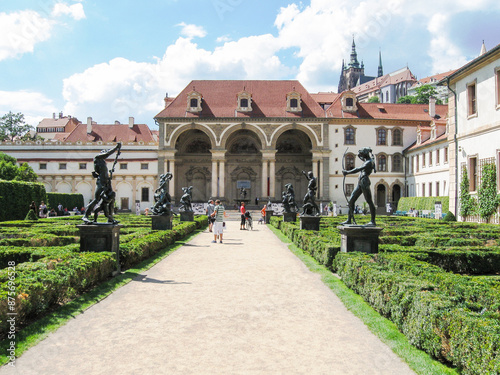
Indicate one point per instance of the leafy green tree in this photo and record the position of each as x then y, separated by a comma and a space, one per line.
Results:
374, 99
408, 99
12, 126
424, 92
487, 193
9, 170
467, 202
26, 173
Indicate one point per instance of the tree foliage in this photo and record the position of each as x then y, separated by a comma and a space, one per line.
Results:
9, 170
374, 99
467, 202
423, 93
487, 193
12, 126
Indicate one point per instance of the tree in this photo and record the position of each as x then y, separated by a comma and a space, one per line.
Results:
487, 193
467, 202
13, 126
374, 99
408, 99
424, 92
9, 170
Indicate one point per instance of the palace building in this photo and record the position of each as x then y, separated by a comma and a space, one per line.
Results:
219, 136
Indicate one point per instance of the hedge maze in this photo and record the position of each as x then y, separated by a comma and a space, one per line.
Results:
439, 282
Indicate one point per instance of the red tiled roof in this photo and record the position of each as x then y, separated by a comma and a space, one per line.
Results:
325, 97
398, 76
387, 111
112, 133
435, 78
54, 122
219, 99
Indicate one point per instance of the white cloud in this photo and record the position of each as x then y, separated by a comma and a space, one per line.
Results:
62, 9
76, 10
33, 105
21, 31
192, 31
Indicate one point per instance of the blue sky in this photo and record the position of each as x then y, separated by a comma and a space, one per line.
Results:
111, 60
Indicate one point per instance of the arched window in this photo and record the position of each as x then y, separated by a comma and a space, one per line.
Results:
387, 96
381, 137
397, 163
349, 136
382, 163
397, 137
350, 161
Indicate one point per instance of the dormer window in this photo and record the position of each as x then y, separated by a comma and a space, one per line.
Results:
244, 101
349, 102
293, 102
194, 102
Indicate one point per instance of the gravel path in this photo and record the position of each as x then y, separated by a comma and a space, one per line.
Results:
247, 306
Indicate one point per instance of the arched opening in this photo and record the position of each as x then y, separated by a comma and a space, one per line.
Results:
381, 196
396, 194
193, 164
244, 166
293, 155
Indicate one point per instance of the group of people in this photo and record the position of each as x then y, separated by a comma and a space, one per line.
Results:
42, 211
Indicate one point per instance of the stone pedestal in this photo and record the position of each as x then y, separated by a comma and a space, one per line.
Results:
359, 238
289, 217
309, 222
161, 222
101, 237
269, 213
187, 216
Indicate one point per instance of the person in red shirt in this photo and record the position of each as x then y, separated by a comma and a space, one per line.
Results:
242, 211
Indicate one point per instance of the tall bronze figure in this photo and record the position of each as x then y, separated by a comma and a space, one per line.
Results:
366, 155
309, 204
186, 199
104, 198
162, 197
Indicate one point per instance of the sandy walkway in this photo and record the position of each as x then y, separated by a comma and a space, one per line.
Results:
247, 306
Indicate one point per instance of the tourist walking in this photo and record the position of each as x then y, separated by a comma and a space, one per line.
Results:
218, 227
242, 211
210, 211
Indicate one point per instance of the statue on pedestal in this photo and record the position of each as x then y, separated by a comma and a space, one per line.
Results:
310, 207
104, 197
366, 155
186, 200
288, 199
162, 197
243, 193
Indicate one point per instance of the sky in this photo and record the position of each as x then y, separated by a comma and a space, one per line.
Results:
111, 60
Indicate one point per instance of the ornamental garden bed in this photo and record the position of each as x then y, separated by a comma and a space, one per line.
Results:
50, 270
438, 281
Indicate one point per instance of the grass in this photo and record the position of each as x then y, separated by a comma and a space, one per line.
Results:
39, 330
384, 329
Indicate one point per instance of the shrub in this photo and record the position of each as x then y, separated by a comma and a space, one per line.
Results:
31, 215
449, 217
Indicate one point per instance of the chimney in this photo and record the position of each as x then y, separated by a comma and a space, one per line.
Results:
130, 122
60, 115
89, 125
54, 115
432, 106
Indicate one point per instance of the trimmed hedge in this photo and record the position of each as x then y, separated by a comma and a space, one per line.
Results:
68, 201
423, 203
16, 197
48, 275
421, 281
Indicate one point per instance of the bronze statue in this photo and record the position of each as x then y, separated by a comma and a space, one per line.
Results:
186, 200
243, 193
163, 200
309, 204
366, 155
288, 199
104, 197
